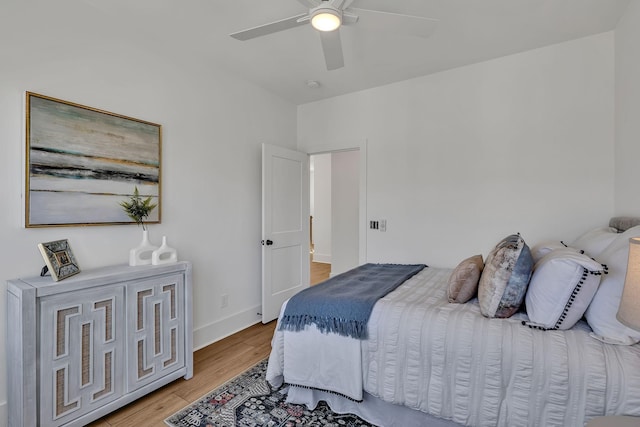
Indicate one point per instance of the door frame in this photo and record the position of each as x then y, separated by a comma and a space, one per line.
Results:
362, 214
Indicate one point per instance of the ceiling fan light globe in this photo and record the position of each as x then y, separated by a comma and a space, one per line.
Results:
326, 20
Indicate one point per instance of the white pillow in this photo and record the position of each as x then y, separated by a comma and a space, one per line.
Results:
593, 242
561, 287
601, 314
543, 248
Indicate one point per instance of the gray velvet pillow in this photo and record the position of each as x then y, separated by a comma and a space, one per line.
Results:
463, 282
504, 280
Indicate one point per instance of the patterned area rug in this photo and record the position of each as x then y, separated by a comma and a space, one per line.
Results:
248, 400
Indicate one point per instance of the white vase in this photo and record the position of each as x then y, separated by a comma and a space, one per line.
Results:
142, 254
164, 254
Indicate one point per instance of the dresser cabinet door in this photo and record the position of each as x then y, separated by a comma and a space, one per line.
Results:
81, 352
155, 329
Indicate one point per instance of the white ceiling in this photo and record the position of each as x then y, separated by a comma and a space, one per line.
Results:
468, 31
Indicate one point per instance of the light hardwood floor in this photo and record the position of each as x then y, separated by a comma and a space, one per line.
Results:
213, 366
319, 272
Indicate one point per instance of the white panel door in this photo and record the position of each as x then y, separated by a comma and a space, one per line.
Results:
285, 227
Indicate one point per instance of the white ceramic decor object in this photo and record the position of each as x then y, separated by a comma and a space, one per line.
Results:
164, 254
142, 254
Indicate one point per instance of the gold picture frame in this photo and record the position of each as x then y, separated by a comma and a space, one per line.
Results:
81, 162
59, 259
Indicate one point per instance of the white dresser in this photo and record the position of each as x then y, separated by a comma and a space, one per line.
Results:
87, 345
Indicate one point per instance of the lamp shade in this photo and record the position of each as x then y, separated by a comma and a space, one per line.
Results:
326, 19
629, 311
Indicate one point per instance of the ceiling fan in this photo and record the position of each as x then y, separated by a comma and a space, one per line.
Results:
327, 16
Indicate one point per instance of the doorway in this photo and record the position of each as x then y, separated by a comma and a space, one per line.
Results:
335, 193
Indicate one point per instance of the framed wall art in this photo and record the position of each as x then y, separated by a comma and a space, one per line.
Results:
59, 259
81, 163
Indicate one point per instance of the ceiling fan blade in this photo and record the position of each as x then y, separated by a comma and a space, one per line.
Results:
273, 27
396, 22
332, 48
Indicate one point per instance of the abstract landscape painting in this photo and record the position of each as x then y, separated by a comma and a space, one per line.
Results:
82, 162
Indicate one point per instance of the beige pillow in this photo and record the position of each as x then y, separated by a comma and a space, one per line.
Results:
463, 282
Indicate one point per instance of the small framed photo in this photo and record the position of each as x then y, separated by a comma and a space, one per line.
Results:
59, 259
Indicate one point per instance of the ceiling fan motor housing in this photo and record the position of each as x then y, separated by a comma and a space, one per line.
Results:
326, 18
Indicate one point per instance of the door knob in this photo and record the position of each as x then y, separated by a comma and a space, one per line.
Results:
267, 242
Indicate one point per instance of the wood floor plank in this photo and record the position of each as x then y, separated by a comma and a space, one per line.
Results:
319, 272
153, 413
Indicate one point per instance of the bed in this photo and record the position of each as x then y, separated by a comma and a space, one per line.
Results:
428, 362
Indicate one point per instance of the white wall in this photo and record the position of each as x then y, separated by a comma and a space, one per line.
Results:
322, 208
345, 204
627, 196
211, 176
457, 160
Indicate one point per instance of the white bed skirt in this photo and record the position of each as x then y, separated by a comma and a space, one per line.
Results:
371, 409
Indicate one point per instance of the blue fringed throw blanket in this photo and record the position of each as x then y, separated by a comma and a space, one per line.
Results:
344, 303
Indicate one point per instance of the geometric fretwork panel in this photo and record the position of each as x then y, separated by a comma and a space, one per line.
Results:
88, 345
80, 357
158, 319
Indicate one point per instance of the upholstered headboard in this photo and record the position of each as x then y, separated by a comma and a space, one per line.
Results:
623, 223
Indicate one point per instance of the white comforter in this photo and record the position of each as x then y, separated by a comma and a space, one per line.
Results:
450, 361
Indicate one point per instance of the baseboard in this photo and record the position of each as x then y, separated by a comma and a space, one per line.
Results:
323, 258
4, 421
222, 328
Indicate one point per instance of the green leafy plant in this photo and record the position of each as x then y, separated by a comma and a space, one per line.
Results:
138, 209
